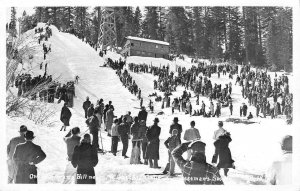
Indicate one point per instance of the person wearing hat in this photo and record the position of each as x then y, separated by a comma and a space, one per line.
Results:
177, 126
99, 111
197, 170
143, 114
281, 171
26, 156
86, 105
124, 131
10, 151
72, 139
223, 152
136, 142
152, 151
114, 137
191, 134
65, 116
85, 158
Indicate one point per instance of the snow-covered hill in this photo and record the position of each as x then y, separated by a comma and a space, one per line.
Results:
253, 147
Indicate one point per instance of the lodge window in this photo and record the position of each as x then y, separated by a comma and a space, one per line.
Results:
132, 44
143, 52
156, 46
138, 52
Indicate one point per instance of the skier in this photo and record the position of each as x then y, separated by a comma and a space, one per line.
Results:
177, 126
123, 131
12, 168
191, 134
196, 171
230, 108
72, 139
26, 156
152, 152
171, 143
86, 105
281, 170
65, 116
223, 152
93, 124
85, 158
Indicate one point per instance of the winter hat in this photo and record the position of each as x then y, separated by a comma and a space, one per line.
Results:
197, 147
156, 120
29, 135
116, 120
287, 143
23, 129
75, 130
192, 123
86, 138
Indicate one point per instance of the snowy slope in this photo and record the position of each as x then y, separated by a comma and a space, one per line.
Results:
253, 147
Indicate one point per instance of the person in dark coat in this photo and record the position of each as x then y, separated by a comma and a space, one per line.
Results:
152, 151
72, 139
94, 126
223, 152
12, 170
86, 105
143, 114
124, 131
65, 116
26, 156
197, 170
85, 158
90, 111
177, 126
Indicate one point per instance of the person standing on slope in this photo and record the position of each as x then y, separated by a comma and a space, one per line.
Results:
72, 139
177, 126
85, 106
281, 171
93, 124
12, 168
65, 116
223, 153
196, 171
191, 134
143, 114
109, 119
143, 130
85, 158
26, 156
90, 110
99, 111
124, 131
152, 151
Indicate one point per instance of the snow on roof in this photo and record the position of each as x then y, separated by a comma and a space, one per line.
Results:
147, 40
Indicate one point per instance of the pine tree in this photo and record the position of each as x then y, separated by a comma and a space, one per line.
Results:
81, 21
150, 24
13, 22
137, 22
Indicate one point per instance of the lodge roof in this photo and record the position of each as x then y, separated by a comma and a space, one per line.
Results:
147, 40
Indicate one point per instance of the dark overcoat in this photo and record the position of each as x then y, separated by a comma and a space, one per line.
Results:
152, 151
85, 158
65, 115
24, 154
223, 152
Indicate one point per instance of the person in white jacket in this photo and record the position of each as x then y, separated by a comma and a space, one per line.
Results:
220, 131
281, 170
191, 134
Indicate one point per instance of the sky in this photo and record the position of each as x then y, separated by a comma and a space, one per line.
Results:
19, 10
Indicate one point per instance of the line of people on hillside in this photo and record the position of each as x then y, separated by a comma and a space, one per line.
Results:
257, 87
